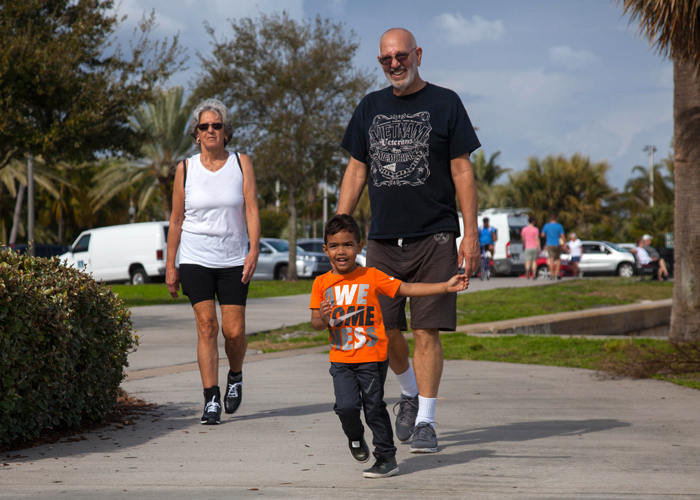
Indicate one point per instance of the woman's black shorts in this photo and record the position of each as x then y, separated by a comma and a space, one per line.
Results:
201, 283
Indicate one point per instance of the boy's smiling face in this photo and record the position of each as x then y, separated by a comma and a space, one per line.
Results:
342, 248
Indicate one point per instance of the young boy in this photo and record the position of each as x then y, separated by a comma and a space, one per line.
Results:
345, 300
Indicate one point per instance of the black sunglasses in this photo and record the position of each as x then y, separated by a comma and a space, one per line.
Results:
205, 126
401, 57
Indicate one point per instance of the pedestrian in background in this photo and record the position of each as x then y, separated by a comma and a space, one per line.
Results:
575, 253
554, 234
531, 238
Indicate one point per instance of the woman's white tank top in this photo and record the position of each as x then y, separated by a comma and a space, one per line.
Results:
214, 232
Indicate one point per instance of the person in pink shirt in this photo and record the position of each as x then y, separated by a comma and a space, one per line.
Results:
531, 239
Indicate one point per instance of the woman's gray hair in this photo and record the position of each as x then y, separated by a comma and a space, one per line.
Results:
216, 106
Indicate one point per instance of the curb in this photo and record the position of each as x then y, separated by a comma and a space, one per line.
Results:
648, 318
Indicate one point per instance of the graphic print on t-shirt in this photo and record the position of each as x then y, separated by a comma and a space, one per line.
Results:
399, 149
351, 326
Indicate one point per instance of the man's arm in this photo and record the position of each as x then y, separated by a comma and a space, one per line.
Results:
465, 186
354, 182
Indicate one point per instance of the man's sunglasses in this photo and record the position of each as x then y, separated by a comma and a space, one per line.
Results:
205, 126
401, 57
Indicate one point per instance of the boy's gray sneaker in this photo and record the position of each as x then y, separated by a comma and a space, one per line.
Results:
359, 449
406, 417
424, 439
383, 467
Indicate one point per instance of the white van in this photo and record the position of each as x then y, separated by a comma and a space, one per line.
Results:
509, 250
130, 252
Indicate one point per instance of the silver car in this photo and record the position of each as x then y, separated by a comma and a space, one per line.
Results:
603, 257
273, 262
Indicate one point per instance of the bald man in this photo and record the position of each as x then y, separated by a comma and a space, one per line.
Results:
412, 141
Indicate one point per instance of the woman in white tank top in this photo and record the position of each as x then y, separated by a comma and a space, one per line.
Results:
214, 222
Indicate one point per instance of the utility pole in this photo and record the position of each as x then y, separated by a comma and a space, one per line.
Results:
325, 201
30, 203
650, 149
277, 196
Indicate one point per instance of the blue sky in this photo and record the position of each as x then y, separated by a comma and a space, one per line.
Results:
537, 77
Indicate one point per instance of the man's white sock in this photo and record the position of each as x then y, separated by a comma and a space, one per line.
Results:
407, 381
426, 410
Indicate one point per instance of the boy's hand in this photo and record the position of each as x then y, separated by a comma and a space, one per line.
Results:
325, 311
457, 283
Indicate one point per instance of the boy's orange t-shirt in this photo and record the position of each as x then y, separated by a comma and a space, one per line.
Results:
356, 329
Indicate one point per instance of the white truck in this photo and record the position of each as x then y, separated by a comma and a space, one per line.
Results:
129, 252
509, 250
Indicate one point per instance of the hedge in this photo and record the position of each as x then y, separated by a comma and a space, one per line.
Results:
64, 341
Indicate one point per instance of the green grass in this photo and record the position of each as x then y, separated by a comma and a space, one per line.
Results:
512, 303
591, 354
157, 293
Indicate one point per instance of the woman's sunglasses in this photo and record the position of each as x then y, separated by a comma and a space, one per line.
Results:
205, 126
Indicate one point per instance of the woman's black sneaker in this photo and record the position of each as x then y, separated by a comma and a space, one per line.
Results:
212, 406
234, 392
383, 467
359, 449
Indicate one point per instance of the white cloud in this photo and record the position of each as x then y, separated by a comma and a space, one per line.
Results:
460, 31
570, 59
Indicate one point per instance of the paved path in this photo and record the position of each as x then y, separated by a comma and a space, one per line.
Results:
505, 430
167, 333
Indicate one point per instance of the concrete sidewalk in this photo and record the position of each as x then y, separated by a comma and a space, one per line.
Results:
505, 431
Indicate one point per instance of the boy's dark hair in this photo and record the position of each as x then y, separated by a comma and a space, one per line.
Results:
339, 223
532, 220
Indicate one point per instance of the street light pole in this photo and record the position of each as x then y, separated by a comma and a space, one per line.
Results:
30, 203
651, 150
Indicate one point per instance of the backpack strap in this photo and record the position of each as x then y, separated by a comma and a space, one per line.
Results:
238, 157
184, 183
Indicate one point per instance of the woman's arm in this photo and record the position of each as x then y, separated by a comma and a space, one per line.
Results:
457, 283
252, 217
177, 217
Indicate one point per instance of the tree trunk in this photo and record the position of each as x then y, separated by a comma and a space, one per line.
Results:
61, 217
292, 205
18, 213
685, 315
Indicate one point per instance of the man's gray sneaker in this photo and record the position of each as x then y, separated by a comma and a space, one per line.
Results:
424, 439
383, 467
406, 417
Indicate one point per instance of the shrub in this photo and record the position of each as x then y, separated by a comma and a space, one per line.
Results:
64, 341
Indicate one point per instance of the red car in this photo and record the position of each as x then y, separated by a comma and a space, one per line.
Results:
565, 269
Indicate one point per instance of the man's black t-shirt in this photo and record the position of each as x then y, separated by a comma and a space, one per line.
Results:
407, 143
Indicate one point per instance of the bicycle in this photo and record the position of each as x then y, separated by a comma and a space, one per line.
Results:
485, 264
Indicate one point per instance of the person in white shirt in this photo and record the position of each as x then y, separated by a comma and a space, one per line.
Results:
215, 225
575, 252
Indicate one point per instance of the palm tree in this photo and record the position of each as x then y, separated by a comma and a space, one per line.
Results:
637, 188
574, 189
486, 174
163, 124
674, 29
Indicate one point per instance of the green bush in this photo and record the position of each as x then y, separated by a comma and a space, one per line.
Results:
64, 341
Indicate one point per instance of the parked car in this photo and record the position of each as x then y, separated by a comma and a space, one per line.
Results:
565, 268
41, 250
134, 252
316, 245
509, 249
604, 257
273, 262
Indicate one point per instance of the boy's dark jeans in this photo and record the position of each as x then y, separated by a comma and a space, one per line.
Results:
361, 386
